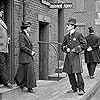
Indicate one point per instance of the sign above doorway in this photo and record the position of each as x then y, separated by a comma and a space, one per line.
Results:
43, 18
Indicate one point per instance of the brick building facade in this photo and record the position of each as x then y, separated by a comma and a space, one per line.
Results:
47, 25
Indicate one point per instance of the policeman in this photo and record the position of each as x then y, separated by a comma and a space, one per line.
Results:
92, 53
72, 45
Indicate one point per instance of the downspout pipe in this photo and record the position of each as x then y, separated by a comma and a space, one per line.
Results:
24, 10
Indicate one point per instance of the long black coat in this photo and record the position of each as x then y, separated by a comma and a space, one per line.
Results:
94, 55
73, 62
25, 74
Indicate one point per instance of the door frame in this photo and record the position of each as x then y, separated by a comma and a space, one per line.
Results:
9, 20
43, 50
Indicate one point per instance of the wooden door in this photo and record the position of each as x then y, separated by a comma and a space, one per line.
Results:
43, 51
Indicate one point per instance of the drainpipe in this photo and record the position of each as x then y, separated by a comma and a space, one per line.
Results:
24, 11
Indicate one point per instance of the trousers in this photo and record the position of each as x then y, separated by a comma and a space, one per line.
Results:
76, 81
3, 69
91, 68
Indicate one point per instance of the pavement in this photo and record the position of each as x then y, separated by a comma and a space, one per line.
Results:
57, 90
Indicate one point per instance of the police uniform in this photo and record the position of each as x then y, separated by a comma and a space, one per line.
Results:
73, 64
92, 57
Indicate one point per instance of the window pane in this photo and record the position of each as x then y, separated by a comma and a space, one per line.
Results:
80, 5
97, 6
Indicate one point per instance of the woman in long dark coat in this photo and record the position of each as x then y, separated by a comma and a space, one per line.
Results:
92, 53
25, 76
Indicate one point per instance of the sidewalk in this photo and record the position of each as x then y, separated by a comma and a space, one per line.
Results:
57, 90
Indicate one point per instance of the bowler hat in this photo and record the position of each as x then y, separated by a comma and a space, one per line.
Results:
26, 24
72, 21
90, 29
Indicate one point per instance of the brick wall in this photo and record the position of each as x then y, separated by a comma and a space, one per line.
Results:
17, 23
33, 8
87, 16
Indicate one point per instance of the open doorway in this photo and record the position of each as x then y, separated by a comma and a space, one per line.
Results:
7, 7
43, 50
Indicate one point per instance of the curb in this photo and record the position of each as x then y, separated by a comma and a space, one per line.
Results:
91, 92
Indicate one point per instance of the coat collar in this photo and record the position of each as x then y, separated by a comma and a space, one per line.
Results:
3, 24
72, 31
26, 36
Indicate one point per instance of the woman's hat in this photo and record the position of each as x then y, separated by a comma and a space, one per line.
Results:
90, 29
26, 24
72, 21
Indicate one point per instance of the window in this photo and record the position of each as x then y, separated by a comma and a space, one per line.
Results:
80, 5
97, 6
98, 9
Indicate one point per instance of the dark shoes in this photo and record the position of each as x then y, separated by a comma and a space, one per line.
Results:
21, 87
8, 85
80, 92
71, 91
31, 90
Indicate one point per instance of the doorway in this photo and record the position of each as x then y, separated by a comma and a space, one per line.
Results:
7, 7
43, 50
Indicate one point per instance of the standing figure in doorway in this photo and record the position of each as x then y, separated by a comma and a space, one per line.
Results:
92, 52
73, 44
25, 76
4, 41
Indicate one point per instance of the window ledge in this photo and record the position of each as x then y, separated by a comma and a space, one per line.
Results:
80, 24
77, 11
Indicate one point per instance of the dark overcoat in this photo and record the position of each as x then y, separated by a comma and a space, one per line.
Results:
94, 55
73, 62
3, 52
25, 74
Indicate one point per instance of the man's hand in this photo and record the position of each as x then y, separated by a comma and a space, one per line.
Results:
73, 50
68, 49
33, 53
9, 39
89, 48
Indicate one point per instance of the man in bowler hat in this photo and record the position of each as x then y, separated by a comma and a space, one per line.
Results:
92, 53
4, 41
25, 76
73, 44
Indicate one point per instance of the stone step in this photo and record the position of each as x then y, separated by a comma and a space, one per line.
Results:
6, 93
54, 77
61, 63
60, 70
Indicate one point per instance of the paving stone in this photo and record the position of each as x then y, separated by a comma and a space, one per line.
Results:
57, 90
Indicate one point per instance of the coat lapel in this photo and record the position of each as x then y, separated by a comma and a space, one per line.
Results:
3, 24
28, 39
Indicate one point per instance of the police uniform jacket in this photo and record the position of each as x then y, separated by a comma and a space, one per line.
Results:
94, 42
72, 62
